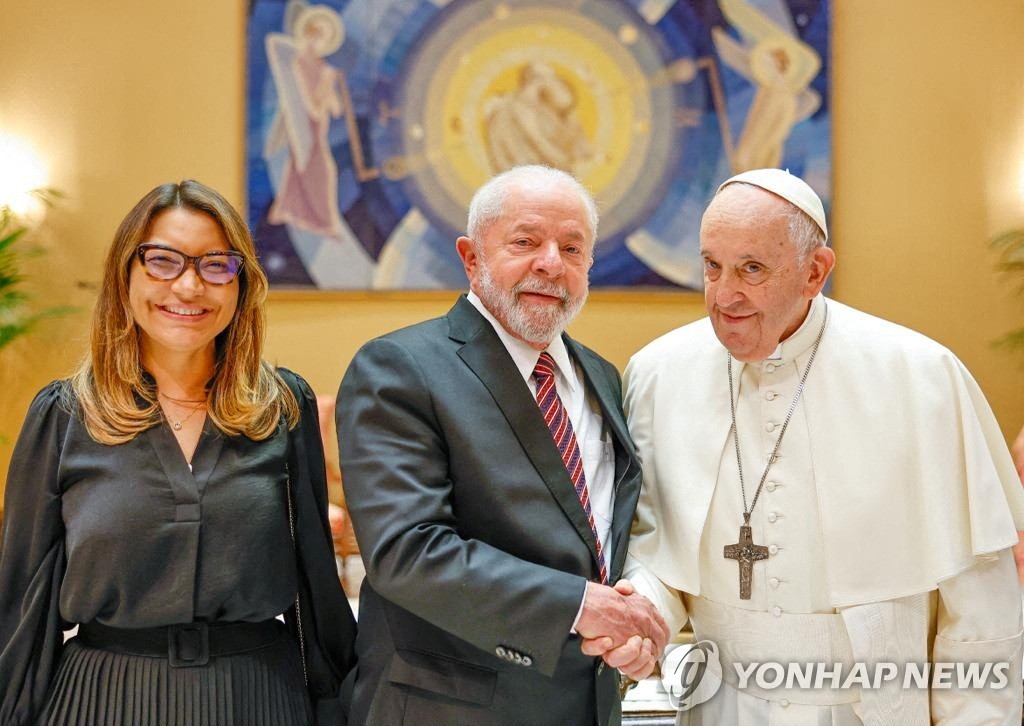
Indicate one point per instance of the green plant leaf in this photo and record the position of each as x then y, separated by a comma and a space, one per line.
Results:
11, 237
1013, 340
16, 318
1010, 246
8, 333
1010, 238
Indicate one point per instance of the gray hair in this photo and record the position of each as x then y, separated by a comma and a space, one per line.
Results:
488, 204
804, 232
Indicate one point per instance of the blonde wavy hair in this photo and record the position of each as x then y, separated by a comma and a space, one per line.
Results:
116, 399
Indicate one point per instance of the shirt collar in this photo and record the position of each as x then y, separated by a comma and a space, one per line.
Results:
523, 355
801, 341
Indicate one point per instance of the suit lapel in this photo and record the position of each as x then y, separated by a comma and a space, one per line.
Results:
484, 353
606, 393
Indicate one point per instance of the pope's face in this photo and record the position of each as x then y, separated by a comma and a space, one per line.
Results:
531, 268
756, 287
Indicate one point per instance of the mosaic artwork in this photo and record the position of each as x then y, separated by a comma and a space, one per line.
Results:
371, 122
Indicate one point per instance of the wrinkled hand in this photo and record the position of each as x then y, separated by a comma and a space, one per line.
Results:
623, 627
636, 658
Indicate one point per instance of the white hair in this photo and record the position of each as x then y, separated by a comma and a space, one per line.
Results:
804, 232
488, 203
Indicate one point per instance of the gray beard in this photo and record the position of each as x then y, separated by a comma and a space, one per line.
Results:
535, 326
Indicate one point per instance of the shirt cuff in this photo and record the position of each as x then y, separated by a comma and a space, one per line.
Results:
579, 613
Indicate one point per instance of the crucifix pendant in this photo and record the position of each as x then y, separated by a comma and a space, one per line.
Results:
746, 553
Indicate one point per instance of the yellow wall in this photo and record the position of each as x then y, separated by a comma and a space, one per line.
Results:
928, 111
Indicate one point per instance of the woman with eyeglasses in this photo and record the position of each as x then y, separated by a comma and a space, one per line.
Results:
169, 498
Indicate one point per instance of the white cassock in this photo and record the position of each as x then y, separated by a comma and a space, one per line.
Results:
888, 514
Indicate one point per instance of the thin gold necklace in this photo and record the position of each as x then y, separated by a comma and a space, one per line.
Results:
181, 400
178, 424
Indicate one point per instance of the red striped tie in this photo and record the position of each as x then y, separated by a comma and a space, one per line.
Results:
557, 419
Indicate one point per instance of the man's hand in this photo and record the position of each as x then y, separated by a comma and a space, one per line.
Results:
623, 627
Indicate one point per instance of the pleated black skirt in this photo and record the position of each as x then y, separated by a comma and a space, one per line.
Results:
95, 687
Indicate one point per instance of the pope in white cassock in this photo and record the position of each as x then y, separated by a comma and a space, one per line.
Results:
820, 485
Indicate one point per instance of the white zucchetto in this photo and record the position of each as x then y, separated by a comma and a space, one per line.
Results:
791, 188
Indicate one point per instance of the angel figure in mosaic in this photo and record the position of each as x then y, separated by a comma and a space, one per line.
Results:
309, 92
780, 65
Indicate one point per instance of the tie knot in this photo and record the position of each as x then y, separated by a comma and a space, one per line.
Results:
545, 367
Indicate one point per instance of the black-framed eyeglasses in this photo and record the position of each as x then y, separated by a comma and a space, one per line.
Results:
167, 263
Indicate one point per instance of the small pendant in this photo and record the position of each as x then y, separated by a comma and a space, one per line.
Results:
176, 425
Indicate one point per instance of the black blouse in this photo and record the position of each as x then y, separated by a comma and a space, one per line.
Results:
129, 536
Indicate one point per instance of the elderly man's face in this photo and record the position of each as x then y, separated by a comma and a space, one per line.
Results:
531, 268
756, 287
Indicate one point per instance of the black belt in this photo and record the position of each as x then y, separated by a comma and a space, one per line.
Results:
190, 644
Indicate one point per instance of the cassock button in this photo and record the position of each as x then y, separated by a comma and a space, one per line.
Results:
783, 703
772, 517
776, 611
774, 582
770, 395
773, 549
770, 486
770, 426
769, 367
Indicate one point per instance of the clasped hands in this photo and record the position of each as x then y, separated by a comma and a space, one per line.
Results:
622, 627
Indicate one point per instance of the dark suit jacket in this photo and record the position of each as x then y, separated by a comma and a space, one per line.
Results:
476, 546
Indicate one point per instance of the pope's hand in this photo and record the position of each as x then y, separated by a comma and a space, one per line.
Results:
635, 658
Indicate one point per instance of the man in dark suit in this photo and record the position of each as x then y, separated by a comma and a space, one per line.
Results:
492, 481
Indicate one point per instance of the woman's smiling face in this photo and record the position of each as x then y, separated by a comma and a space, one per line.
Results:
184, 315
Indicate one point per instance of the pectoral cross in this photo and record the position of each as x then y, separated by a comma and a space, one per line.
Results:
746, 553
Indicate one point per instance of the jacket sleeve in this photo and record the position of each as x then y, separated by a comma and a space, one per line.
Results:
328, 627
398, 487
32, 563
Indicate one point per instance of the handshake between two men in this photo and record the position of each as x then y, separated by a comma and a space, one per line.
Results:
622, 626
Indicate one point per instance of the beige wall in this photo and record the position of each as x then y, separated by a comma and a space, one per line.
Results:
928, 112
